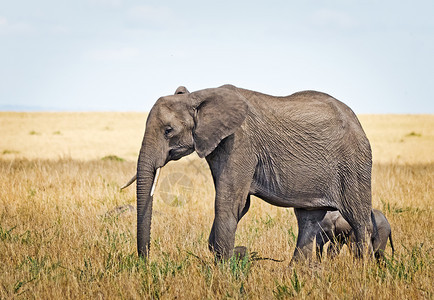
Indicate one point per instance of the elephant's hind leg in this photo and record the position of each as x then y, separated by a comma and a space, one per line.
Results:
308, 227
354, 194
361, 224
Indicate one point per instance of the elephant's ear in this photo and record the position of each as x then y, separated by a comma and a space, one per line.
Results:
219, 112
181, 90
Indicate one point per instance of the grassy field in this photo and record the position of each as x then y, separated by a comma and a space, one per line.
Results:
60, 235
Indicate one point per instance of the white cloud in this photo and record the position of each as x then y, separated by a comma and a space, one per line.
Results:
7, 27
3, 21
112, 3
147, 13
327, 17
121, 54
59, 29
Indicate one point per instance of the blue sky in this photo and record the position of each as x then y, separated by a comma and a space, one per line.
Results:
121, 55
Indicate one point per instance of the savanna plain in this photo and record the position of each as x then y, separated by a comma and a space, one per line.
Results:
67, 231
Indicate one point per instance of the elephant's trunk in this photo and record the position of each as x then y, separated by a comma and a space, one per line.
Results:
145, 184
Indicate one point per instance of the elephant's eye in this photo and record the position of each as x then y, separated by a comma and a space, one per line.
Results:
168, 130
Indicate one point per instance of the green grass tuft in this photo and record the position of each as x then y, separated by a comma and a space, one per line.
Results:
113, 158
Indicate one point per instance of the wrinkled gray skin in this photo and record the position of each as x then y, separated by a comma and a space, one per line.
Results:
335, 229
306, 151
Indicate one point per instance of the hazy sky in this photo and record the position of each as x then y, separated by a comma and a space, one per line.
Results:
376, 56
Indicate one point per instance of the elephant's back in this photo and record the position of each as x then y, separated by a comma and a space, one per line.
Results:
312, 122
326, 114
305, 106
322, 104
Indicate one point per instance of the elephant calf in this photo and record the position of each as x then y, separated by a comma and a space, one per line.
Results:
335, 229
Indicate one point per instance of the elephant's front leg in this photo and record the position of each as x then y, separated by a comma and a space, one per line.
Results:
222, 237
308, 227
232, 172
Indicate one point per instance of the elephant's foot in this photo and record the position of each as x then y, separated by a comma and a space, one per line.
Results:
304, 254
240, 252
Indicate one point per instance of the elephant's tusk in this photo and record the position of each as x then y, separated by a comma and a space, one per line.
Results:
157, 173
129, 182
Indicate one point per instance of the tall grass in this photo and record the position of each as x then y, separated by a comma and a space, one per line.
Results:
57, 240
61, 237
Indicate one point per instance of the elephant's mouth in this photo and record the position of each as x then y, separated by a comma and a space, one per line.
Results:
177, 153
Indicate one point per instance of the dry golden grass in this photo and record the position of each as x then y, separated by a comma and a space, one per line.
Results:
60, 238
400, 139
82, 136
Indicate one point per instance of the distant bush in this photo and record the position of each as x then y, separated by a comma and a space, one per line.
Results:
113, 158
413, 134
10, 152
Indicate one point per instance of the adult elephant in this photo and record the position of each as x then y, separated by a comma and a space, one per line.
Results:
307, 151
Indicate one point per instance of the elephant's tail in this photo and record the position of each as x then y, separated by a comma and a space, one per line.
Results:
391, 243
